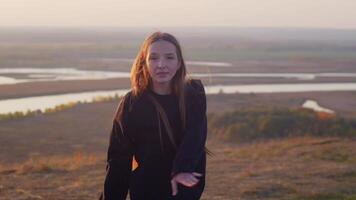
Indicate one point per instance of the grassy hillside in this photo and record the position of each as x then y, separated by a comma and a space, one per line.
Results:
245, 124
305, 168
61, 155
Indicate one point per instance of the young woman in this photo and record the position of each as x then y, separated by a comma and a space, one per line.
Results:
161, 125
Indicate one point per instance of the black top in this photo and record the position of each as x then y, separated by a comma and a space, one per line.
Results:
135, 132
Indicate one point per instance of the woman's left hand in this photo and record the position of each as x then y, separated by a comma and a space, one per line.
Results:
186, 179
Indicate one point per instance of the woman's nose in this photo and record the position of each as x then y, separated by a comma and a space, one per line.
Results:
161, 63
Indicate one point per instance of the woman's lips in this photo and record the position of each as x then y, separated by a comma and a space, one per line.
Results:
162, 73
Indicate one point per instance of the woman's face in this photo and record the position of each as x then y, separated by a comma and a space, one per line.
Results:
162, 61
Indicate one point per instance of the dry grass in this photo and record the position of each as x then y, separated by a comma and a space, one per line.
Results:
307, 148
51, 164
295, 168
292, 168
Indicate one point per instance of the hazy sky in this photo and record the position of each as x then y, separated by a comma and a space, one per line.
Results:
157, 13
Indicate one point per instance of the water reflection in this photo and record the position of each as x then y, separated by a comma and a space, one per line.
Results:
278, 88
50, 101
311, 104
201, 63
54, 74
22, 75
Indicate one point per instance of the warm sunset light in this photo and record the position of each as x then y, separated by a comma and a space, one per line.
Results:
251, 13
187, 99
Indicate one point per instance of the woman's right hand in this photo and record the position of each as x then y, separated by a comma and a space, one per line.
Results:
186, 179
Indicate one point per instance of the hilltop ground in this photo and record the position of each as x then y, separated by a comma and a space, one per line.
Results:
296, 168
62, 156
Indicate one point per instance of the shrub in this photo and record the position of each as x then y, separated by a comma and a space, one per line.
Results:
264, 123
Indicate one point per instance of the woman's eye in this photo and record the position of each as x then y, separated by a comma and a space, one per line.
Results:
170, 58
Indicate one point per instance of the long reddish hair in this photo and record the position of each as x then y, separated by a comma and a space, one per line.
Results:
140, 77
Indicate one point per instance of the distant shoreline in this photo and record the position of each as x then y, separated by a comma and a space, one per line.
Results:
32, 89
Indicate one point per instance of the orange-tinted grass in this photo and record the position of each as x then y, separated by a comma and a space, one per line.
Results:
51, 163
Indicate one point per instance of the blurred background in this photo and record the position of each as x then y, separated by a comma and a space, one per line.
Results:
280, 78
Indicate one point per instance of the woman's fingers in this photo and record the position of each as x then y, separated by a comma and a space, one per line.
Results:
192, 178
174, 187
193, 182
186, 179
197, 174
190, 182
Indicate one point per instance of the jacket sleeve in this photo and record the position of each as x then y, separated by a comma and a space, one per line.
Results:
119, 155
191, 149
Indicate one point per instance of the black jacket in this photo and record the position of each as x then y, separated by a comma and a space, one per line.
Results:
135, 133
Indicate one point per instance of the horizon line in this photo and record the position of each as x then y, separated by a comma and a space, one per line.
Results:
188, 26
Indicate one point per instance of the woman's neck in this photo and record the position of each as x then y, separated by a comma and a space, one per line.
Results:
161, 88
